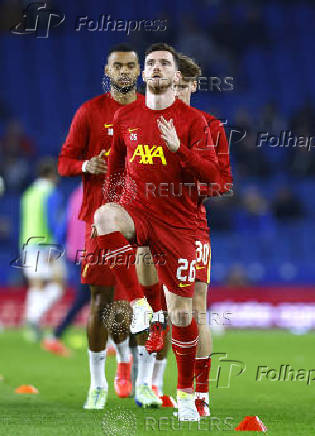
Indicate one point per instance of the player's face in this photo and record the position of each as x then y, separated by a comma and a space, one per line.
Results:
160, 71
123, 69
183, 89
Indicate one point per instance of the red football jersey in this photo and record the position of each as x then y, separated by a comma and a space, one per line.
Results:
91, 132
223, 155
163, 183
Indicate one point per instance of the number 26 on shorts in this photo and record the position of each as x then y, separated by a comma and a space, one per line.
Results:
186, 272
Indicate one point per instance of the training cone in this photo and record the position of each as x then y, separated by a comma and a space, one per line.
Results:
251, 423
26, 389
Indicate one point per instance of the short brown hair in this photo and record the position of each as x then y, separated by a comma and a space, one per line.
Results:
188, 67
162, 46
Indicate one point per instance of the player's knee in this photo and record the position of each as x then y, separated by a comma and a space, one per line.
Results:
105, 219
181, 317
100, 301
199, 303
119, 320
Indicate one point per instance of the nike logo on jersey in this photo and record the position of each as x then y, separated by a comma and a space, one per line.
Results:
200, 267
132, 130
110, 130
184, 285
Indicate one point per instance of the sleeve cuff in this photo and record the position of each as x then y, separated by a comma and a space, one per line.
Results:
84, 166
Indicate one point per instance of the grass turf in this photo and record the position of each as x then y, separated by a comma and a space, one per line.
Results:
285, 407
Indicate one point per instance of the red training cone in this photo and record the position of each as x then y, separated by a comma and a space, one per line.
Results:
251, 423
26, 389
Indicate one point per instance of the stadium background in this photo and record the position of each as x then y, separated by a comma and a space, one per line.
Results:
262, 236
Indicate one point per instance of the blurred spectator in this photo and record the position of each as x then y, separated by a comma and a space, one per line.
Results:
250, 161
226, 31
193, 41
270, 119
303, 121
254, 214
220, 213
15, 142
253, 31
237, 277
301, 159
17, 149
287, 206
301, 162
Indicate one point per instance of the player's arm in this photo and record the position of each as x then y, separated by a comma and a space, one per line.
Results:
116, 162
72, 158
199, 158
223, 154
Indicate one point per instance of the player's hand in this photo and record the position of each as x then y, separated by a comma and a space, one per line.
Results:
168, 133
97, 165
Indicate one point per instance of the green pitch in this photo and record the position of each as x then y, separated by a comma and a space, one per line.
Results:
286, 407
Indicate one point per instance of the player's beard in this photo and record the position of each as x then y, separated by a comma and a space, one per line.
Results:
159, 86
123, 89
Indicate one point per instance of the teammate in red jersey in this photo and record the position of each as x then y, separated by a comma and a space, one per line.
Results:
168, 149
85, 152
186, 86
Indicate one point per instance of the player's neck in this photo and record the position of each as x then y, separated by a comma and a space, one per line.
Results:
123, 98
159, 101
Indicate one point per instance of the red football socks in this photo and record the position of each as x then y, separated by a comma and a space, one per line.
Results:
202, 373
118, 255
153, 295
184, 344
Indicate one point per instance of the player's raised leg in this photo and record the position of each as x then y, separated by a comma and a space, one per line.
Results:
115, 227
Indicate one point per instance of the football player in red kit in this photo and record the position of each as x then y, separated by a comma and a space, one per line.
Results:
147, 272
167, 148
85, 152
184, 88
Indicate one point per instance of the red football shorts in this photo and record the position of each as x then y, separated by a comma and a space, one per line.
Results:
203, 255
173, 250
93, 270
